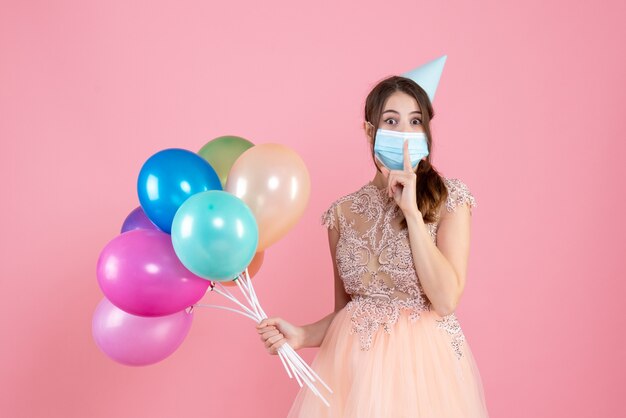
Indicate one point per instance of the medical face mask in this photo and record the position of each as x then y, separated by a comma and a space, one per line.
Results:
389, 148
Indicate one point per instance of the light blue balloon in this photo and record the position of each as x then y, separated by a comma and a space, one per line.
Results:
215, 235
170, 177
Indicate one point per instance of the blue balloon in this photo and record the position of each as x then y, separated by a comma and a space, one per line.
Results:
170, 177
215, 235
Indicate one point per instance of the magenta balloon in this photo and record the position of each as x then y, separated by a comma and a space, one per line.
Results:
138, 219
139, 272
138, 340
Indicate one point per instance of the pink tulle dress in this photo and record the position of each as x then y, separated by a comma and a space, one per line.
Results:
387, 353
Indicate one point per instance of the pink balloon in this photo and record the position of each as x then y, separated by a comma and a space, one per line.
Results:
139, 272
138, 340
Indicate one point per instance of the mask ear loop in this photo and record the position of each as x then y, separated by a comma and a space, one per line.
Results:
373, 132
367, 122
374, 141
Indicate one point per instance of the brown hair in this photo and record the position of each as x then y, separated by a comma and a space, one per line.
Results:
431, 189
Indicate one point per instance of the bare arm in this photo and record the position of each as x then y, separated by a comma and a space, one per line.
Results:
276, 331
442, 267
314, 333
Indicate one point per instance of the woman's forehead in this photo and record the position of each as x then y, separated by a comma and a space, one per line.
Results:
401, 103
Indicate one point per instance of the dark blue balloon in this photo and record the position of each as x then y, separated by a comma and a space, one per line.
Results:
170, 177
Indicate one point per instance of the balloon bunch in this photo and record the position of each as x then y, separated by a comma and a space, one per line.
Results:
204, 222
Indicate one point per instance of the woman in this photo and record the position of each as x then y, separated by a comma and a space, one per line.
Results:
393, 346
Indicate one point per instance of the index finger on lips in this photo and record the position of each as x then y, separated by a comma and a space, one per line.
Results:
407, 157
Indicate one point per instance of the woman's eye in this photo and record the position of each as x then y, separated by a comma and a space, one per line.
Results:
416, 120
387, 121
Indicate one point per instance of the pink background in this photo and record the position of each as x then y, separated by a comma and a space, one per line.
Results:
529, 113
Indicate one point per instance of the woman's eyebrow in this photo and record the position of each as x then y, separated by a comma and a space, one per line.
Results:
394, 111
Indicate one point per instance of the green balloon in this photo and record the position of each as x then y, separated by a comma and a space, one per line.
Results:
222, 152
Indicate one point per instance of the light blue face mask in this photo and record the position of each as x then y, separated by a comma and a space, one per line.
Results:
389, 148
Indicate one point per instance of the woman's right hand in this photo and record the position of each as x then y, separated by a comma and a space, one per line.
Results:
276, 331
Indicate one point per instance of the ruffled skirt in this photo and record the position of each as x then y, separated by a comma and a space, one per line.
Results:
420, 369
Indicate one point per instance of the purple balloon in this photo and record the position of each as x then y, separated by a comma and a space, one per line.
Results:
138, 340
138, 219
139, 272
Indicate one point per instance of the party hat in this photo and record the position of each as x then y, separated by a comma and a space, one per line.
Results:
428, 75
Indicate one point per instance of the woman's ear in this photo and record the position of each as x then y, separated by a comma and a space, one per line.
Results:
368, 131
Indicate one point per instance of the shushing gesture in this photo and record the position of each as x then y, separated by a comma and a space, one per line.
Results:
401, 185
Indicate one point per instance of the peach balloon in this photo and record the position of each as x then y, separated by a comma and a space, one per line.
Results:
253, 268
274, 182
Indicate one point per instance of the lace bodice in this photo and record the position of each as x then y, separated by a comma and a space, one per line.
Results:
375, 262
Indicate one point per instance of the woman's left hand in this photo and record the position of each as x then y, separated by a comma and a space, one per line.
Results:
401, 185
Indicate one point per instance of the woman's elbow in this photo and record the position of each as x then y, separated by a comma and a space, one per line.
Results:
445, 309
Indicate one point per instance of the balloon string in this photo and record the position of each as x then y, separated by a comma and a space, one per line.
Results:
245, 294
294, 365
282, 359
240, 281
304, 369
290, 352
233, 299
306, 378
250, 315
248, 284
293, 368
256, 312
305, 365
224, 290
204, 305
245, 285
